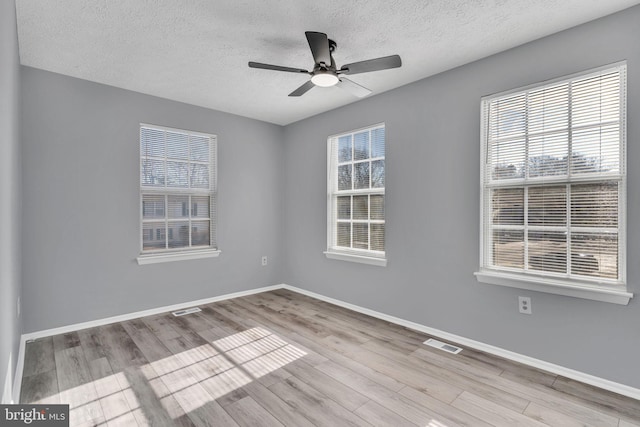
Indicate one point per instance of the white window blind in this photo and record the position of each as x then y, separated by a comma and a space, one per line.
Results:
554, 181
177, 189
356, 186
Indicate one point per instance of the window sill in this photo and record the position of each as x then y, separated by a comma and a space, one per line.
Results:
381, 262
176, 256
558, 287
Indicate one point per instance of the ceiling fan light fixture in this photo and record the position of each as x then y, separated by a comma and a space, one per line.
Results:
325, 79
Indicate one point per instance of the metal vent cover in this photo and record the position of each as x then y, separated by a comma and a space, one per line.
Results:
186, 311
443, 346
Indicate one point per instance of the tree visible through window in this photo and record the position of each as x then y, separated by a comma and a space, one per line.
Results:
554, 179
356, 192
177, 189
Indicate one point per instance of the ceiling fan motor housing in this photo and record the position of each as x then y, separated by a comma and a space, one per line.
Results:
332, 45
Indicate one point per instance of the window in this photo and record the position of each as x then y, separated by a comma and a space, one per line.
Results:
356, 181
553, 183
177, 194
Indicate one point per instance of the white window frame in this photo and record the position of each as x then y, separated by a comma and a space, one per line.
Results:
613, 291
364, 256
179, 254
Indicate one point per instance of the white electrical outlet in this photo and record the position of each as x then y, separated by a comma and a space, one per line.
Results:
524, 305
264, 260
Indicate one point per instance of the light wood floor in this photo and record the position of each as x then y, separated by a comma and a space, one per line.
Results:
281, 358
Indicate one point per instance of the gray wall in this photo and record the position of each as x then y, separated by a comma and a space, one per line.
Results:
433, 147
10, 289
81, 203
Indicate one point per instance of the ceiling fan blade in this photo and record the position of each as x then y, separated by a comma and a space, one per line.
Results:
353, 87
276, 67
377, 64
319, 44
302, 89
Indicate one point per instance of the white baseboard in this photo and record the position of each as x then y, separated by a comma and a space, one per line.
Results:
17, 379
120, 318
6, 391
602, 383
143, 313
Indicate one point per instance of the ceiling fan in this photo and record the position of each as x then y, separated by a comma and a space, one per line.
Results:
325, 72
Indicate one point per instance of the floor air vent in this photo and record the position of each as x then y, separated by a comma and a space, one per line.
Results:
186, 311
443, 346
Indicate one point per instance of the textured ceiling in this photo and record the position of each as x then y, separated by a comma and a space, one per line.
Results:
197, 51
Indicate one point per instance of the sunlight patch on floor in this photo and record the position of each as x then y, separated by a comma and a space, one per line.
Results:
224, 365
180, 383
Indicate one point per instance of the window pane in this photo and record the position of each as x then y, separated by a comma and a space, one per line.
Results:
151, 143
199, 176
179, 235
361, 146
548, 251
596, 150
152, 173
344, 177
199, 148
199, 207
344, 148
360, 207
177, 146
377, 174
377, 237
200, 233
547, 205
344, 207
596, 99
377, 207
178, 207
595, 254
377, 142
152, 206
508, 117
177, 174
548, 154
594, 205
150, 234
507, 206
508, 248
548, 109
361, 236
361, 179
507, 159
344, 234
